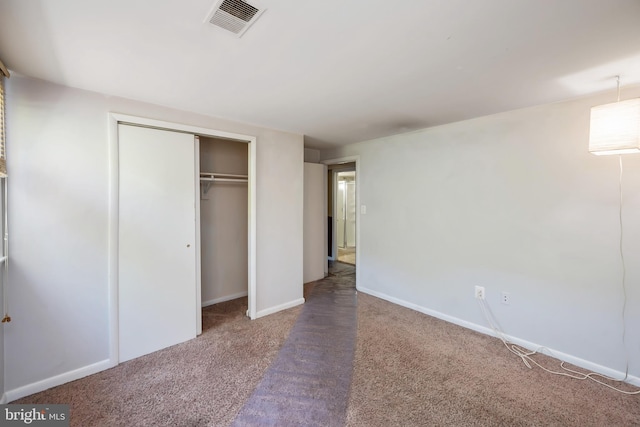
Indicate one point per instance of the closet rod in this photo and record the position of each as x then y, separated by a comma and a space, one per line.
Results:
223, 180
223, 175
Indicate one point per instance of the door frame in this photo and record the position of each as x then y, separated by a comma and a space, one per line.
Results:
113, 230
336, 181
338, 161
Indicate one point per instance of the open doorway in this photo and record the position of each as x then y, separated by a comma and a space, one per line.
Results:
345, 219
342, 212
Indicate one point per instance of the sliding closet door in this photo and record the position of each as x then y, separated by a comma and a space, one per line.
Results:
157, 241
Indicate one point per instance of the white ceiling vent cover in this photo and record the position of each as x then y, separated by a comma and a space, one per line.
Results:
234, 15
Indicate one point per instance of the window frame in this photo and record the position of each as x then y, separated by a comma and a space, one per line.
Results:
4, 250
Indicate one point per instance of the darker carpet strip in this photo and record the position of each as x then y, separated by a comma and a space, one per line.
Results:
308, 383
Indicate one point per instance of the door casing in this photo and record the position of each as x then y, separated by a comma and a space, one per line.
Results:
338, 161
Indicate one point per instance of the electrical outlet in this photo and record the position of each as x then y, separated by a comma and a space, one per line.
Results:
505, 298
479, 293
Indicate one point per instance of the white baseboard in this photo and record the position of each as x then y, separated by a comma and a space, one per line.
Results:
57, 380
280, 307
3, 399
66, 377
223, 299
584, 364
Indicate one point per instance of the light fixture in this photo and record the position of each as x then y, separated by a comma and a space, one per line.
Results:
615, 127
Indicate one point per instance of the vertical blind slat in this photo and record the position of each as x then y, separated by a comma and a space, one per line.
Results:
3, 162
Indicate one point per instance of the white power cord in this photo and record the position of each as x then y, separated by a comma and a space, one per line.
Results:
525, 355
624, 275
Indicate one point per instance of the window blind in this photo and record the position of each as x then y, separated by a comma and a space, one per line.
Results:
3, 159
4, 265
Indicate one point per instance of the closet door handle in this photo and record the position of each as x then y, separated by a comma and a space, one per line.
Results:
188, 245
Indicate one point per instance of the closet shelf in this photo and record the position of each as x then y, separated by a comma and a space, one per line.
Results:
208, 178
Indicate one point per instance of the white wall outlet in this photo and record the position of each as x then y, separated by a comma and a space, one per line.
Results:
505, 298
363, 209
479, 292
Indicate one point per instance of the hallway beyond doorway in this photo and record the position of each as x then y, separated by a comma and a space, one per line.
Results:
347, 255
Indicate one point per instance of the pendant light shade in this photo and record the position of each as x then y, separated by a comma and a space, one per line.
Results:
615, 128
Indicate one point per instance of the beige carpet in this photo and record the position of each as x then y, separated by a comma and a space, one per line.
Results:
409, 370
415, 370
203, 382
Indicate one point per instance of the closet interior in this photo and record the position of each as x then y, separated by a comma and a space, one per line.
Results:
223, 219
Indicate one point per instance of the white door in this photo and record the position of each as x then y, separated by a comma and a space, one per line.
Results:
340, 213
315, 214
157, 241
350, 214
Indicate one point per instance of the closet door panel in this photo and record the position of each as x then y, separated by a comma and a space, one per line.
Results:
156, 251
315, 217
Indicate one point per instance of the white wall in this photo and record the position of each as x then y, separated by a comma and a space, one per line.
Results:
280, 220
311, 155
57, 151
315, 221
223, 222
513, 202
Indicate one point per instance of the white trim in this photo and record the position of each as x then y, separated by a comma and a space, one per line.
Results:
574, 360
223, 299
3, 399
196, 188
280, 307
113, 120
57, 380
356, 160
253, 220
114, 209
325, 229
334, 215
195, 130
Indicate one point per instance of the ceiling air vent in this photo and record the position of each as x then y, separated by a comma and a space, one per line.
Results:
234, 15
